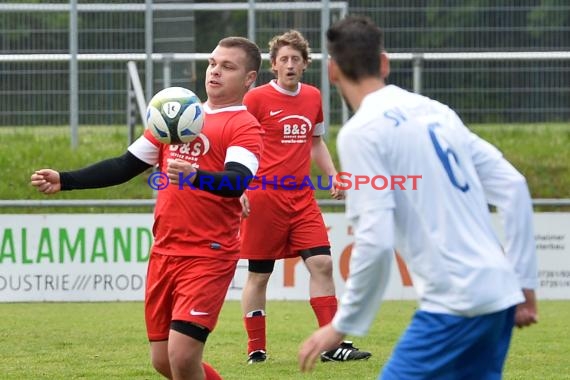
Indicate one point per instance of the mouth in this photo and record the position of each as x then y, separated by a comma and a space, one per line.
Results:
214, 83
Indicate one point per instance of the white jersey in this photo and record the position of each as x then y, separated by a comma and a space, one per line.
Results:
439, 222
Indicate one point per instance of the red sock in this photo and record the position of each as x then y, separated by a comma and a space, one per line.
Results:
255, 327
211, 373
324, 308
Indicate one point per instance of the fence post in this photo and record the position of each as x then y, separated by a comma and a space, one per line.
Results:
417, 60
149, 75
73, 75
167, 73
130, 110
325, 86
251, 20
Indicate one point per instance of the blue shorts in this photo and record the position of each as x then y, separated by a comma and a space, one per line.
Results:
448, 347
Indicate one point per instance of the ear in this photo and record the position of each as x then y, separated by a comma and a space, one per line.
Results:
334, 71
384, 65
250, 78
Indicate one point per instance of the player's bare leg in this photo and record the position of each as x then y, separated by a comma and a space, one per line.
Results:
321, 283
185, 357
253, 302
324, 304
159, 358
254, 296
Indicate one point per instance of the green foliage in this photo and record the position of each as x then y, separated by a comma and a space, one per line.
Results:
107, 341
541, 20
539, 151
23, 29
25, 150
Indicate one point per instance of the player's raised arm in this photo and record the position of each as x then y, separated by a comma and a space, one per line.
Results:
109, 172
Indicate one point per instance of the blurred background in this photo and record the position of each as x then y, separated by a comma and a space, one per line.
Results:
65, 62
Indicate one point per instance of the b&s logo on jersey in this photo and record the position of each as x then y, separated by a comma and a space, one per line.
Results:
192, 150
296, 128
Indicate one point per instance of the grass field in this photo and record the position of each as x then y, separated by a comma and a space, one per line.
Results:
108, 341
539, 151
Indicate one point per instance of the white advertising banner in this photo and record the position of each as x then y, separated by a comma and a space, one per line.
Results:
103, 257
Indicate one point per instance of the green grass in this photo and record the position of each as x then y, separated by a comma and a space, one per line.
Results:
539, 151
108, 341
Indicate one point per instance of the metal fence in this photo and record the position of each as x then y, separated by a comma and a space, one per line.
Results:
484, 81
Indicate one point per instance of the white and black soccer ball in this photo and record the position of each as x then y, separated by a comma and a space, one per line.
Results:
175, 116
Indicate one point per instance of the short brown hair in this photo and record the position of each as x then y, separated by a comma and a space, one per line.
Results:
252, 51
291, 38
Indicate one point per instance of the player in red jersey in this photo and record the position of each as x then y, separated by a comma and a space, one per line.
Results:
196, 230
284, 220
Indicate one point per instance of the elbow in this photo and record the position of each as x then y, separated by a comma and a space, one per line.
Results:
235, 193
519, 181
519, 193
519, 186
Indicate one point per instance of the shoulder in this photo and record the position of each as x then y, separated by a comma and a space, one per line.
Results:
354, 132
229, 116
310, 90
244, 119
258, 91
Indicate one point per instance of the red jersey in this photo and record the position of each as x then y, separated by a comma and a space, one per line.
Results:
289, 121
193, 222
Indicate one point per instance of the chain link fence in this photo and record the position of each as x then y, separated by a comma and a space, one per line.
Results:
35, 53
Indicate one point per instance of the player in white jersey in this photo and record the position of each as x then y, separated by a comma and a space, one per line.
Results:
472, 290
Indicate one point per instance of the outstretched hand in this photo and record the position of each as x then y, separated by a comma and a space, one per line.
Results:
324, 339
47, 181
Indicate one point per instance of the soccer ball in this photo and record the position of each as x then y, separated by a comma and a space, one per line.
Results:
175, 116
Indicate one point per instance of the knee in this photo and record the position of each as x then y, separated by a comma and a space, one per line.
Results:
182, 361
320, 266
161, 363
258, 280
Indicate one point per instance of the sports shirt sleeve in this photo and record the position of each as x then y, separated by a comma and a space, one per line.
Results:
361, 161
507, 189
246, 145
371, 213
109, 172
370, 264
146, 148
229, 184
320, 125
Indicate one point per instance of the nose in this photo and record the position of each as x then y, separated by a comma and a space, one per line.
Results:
215, 71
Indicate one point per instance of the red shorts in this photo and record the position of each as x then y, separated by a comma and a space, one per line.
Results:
185, 288
280, 224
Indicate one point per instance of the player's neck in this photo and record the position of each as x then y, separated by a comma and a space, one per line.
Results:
216, 105
355, 92
291, 86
